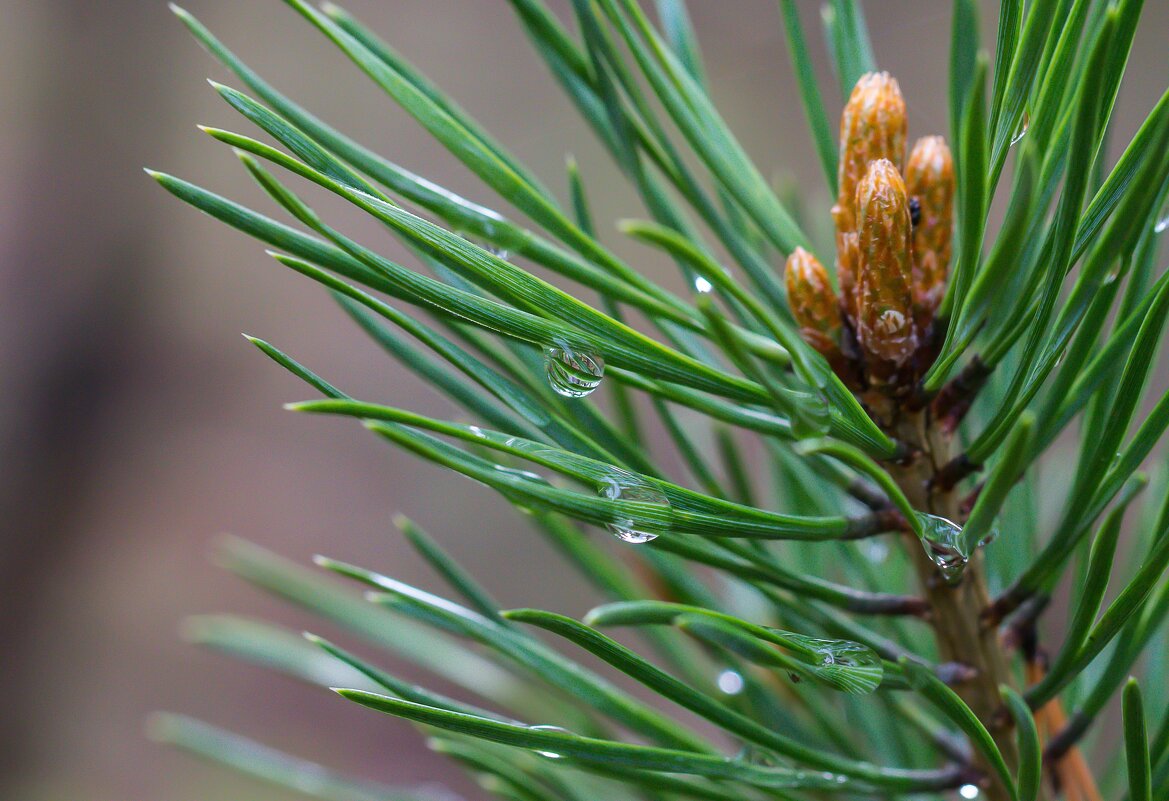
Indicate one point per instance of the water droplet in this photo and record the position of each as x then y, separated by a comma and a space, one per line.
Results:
518, 500
571, 372
754, 755
528, 475
942, 541
1112, 274
876, 550
1022, 130
811, 416
490, 247
841, 664
730, 682
1161, 225
621, 486
702, 286
968, 791
561, 730
989, 536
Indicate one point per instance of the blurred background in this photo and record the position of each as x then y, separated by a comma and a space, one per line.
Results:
136, 425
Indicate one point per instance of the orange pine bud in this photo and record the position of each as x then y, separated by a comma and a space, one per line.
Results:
885, 324
873, 126
929, 179
847, 261
813, 302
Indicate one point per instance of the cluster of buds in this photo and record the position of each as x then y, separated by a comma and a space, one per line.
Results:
893, 223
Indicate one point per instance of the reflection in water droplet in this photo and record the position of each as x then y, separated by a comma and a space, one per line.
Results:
549, 754
1161, 225
572, 373
730, 682
621, 486
1022, 130
942, 541
1112, 274
497, 251
702, 286
968, 791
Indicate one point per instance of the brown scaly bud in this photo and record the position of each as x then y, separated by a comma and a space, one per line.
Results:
885, 325
929, 179
873, 126
813, 302
847, 261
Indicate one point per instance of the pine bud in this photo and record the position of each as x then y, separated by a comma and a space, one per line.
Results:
813, 302
885, 324
847, 262
873, 126
929, 178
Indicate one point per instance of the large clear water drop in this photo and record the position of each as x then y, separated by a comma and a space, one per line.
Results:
572, 372
942, 541
841, 664
638, 525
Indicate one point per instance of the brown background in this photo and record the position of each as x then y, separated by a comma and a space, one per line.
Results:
136, 424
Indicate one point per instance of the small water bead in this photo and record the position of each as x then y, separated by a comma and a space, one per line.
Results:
989, 537
1161, 225
560, 729
702, 286
571, 372
519, 501
942, 541
730, 682
1022, 130
968, 791
527, 475
875, 550
754, 755
622, 486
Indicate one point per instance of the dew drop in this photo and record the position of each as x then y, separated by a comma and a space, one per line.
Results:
527, 475
560, 729
968, 791
517, 500
702, 286
810, 414
875, 550
942, 541
1022, 130
498, 252
730, 682
1161, 225
633, 527
989, 537
1112, 274
572, 373
754, 755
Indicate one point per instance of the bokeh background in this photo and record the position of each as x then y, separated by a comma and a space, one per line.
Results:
136, 425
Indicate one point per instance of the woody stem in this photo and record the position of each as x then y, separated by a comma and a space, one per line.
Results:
955, 608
